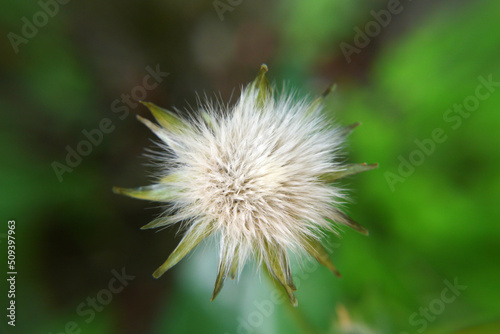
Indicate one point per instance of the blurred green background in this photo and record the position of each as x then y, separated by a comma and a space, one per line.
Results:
430, 225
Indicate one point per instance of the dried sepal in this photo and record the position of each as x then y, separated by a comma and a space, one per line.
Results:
159, 132
219, 281
170, 179
344, 219
234, 266
167, 119
155, 192
261, 85
206, 117
279, 270
320, 100
158, 222
348, 170
191, 239
346, 130
228, 266
317, 251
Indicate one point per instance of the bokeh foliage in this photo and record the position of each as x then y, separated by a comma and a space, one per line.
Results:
440, 224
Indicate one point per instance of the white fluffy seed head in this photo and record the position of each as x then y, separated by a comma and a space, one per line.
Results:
254, 172
258, 175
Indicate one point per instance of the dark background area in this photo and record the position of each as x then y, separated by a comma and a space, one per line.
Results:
431, 223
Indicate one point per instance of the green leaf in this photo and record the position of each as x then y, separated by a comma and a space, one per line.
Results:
348, 170
155, 192
190, 240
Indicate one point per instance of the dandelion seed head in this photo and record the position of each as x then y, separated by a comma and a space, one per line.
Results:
259, 176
